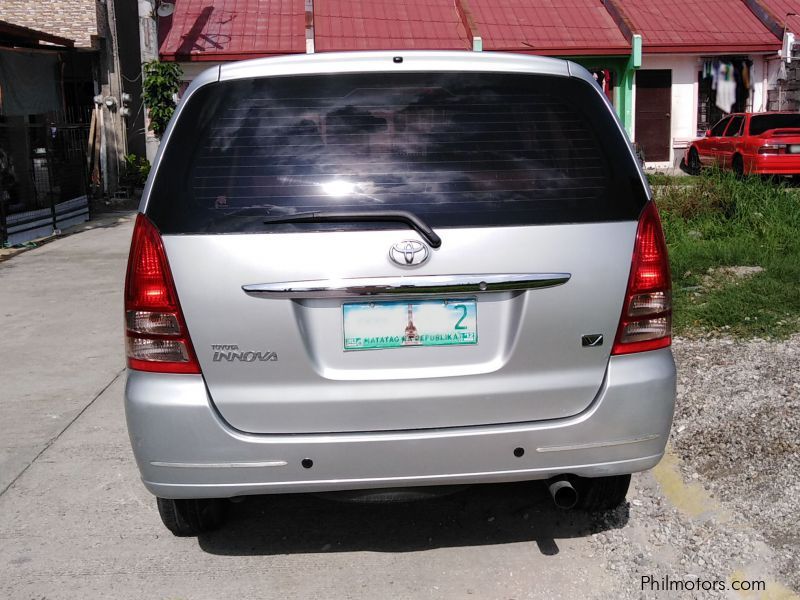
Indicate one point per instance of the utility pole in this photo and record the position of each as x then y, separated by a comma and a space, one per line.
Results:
117, 141
148, 42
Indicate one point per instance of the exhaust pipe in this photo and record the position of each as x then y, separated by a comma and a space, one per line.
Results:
564, 495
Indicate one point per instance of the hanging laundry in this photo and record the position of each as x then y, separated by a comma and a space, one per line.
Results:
726, 88
746, 76
608, 87
605, 79
715, 70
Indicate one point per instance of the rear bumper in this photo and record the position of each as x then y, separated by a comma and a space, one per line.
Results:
185, 450
773, 165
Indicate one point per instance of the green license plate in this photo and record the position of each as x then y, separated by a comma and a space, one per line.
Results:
381, 325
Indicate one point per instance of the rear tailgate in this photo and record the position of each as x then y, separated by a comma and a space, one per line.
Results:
778, 131
528, 364
520, 175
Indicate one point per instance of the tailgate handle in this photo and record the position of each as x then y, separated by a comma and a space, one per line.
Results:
408, 286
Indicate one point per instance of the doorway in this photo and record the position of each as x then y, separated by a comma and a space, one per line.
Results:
653, 118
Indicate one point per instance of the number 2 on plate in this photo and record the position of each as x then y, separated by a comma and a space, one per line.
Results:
463, 316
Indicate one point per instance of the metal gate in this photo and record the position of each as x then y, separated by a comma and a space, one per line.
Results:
43, 176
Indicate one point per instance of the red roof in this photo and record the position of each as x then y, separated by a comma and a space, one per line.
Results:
548, 26
698, 26
388, 25
232, 29
781, 8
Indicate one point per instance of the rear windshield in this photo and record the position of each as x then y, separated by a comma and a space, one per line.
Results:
457, 149
761, 123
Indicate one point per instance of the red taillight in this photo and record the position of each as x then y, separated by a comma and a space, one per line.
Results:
156, 335
772, 149
646, 321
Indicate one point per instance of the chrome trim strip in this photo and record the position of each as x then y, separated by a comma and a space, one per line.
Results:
413, 285
589, 446
234, 465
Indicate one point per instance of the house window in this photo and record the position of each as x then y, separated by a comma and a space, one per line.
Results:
740, 69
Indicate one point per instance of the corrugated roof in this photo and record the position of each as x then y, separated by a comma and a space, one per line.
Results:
232, 29
388, 25
548, 26
781, 8
698, 26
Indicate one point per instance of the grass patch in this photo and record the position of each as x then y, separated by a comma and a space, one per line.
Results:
659, 179
722, 221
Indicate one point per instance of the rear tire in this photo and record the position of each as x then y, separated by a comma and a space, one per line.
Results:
694, 166
597, 494
738, 166
191, 517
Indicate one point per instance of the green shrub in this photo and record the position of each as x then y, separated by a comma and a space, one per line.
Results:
134, 171
160, 84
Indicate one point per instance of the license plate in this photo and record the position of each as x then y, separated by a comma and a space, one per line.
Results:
381, 325
794, 149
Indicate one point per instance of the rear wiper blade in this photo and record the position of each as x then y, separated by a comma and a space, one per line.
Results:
402, 216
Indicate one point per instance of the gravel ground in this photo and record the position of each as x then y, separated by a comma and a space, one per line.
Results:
742, 438
660, 542
737, 435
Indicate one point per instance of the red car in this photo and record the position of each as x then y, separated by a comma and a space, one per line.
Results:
750, 143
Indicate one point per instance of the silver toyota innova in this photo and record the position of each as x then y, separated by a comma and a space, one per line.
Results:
383, 270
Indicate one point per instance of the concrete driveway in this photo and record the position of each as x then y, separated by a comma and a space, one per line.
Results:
75, 522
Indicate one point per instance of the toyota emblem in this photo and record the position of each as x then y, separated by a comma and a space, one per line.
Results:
409, 252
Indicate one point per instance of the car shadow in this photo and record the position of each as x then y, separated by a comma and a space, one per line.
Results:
473, 516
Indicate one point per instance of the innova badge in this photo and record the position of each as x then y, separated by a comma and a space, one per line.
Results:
409, 252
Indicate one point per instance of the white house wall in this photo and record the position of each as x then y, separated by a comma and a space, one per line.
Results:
684, 100
761, 82
685, 92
